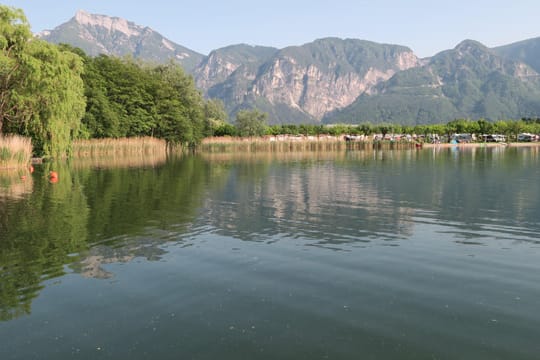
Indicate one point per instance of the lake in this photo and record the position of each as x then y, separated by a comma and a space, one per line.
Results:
411, 254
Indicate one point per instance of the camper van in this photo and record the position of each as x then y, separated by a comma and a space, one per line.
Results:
526, 137
463, 138
494, 138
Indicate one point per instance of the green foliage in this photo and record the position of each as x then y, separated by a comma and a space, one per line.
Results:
179, 107
14, 36
223, 129
510, 128
57, 98
5, 154
215, 116
46, 89
42, 92
126, 98
251, 123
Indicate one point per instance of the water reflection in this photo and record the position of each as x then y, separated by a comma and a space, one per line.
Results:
477, 193
15, 184
123, 161
315, 200
98, 215
91, 217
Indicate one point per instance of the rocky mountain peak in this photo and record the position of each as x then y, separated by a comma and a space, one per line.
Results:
111, 24
114, 36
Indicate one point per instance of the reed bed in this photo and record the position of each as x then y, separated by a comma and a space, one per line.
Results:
15, 151
138, 146
294, 144
124, 161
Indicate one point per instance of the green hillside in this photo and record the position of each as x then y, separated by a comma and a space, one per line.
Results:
470, 81
526, 51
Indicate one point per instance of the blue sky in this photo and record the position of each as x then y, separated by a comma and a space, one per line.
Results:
426, 26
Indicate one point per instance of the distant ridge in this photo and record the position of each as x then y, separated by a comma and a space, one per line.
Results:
526, 51
469, 81
335, 80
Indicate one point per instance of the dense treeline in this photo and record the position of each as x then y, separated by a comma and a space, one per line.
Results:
510, 128
55, 94
126, 99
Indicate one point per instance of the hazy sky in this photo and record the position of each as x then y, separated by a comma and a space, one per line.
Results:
426, 26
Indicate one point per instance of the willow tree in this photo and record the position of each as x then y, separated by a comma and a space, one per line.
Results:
57, 93
14, 36
41, 90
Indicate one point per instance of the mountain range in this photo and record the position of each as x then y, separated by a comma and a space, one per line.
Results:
334, 80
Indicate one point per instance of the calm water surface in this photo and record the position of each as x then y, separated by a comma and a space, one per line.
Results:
431, 254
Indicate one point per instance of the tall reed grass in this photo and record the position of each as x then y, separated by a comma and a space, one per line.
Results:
124, 161
139, 146
294, 144
15, 151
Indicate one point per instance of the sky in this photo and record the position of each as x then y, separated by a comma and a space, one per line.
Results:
425, 26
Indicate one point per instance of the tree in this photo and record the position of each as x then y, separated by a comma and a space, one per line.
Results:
251, 122
384, 129
366, 128
14, 36
41, 87
484, 126
515, 127
501, 127
214, 115
457, 126
58, 98
179, 106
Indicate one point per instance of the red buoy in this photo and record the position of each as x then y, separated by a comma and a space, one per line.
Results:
53, 176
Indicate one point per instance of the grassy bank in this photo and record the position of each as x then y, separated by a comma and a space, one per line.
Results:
15, 151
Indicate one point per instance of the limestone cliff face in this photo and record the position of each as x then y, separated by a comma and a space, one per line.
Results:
309, 80
220, 64
317, 89
214, 70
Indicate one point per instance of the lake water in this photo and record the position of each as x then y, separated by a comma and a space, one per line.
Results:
428, 254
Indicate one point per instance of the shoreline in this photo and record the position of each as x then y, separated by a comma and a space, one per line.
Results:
327, 143
479, 145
